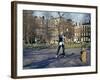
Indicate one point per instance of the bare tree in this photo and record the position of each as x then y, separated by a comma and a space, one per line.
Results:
60, 22
28, 28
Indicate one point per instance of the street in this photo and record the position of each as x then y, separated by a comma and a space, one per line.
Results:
46, 58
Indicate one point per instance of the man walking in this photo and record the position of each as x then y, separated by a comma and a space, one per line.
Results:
61, 44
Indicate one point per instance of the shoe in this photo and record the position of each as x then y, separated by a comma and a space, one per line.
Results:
64, 56
56, 56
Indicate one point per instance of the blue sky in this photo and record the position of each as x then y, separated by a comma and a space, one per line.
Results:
76, 17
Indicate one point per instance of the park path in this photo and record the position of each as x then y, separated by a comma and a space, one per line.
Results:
45, 58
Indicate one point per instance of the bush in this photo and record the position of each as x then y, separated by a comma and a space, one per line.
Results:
53, 46
36, 46
86, 45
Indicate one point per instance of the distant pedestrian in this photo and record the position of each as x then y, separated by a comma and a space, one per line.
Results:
61, 44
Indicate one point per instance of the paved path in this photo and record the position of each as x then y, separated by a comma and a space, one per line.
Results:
45, 58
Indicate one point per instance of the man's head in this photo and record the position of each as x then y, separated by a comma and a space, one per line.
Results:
61, 33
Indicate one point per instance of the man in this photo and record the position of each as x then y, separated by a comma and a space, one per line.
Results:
61, 44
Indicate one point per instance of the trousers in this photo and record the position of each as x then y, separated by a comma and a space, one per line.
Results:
63, 49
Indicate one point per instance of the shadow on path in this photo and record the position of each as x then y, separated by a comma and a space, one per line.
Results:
41, 64
47, 59
45, 63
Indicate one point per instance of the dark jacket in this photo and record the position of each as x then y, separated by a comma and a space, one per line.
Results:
61, 38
